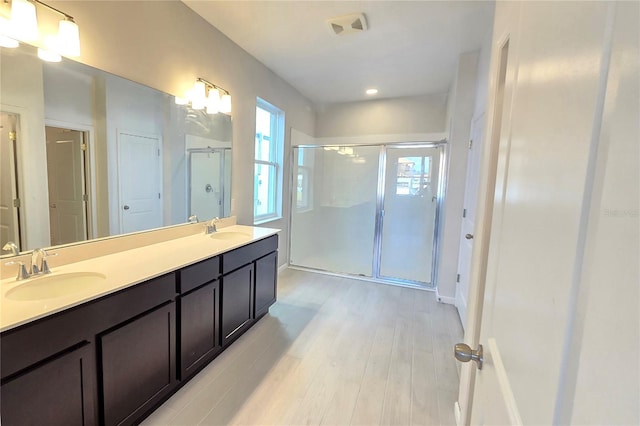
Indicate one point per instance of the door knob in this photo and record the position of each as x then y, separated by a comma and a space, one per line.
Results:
126, 207
469, 236
464, 353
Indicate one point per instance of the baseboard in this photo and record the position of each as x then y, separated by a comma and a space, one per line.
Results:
445, 299
282, 267
457, 414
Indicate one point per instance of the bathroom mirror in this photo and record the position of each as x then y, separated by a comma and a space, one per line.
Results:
87, 154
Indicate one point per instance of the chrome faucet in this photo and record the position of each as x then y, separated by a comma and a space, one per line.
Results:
210, 227
12, 247
23, 274
39, 262
193, 219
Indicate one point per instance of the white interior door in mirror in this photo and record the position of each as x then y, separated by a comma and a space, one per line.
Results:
8, 188
139, 181
65, 176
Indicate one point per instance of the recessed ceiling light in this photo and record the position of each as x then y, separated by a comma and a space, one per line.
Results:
371, 91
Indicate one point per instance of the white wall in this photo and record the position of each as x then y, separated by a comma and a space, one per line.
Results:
165, 45
417, 114
459, 113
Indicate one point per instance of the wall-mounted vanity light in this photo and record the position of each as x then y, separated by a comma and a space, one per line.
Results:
22, 25
206, 95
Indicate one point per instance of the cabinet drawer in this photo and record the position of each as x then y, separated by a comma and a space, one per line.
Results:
247, 254
200, 273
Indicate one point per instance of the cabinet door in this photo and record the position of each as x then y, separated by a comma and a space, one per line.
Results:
266, 283
137, 365
198, 316
237, 303
58, 392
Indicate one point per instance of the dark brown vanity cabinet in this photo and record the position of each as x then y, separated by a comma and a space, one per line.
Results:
59, 391
137, 365
199, 315
113, 360
237, 307
248, 285
265, 283
107, 361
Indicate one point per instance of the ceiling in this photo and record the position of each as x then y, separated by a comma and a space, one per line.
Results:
410, 48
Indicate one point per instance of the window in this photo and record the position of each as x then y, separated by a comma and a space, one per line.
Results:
304, 175
413, 176
267, 183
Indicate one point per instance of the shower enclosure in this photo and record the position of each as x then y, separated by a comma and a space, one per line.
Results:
368, 210
207, 183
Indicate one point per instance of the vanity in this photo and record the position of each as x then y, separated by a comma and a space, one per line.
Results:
150, 318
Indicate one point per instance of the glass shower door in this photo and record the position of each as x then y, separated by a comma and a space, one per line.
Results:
334, 208
408, 213
206, 171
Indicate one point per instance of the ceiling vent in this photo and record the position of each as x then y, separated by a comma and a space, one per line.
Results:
347, 24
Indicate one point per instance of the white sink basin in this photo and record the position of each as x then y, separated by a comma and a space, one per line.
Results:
230, 235
54, 285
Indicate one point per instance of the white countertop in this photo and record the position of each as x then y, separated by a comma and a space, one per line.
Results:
122, 270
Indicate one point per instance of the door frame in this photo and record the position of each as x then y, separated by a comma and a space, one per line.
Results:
89, 178
15, 187
22, 132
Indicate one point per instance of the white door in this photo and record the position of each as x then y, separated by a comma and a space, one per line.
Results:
9, 229
469, 217
140, 182
560, 317
66, 181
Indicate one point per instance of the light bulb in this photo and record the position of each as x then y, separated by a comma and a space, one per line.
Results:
198, 97
181, 101
23, 20
213, 101
6, 39
68, 38
225, 103
8, 42
49, 55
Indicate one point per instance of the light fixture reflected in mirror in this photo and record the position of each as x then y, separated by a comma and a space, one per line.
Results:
207, 95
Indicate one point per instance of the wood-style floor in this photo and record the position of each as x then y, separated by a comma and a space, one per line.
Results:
332, 351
